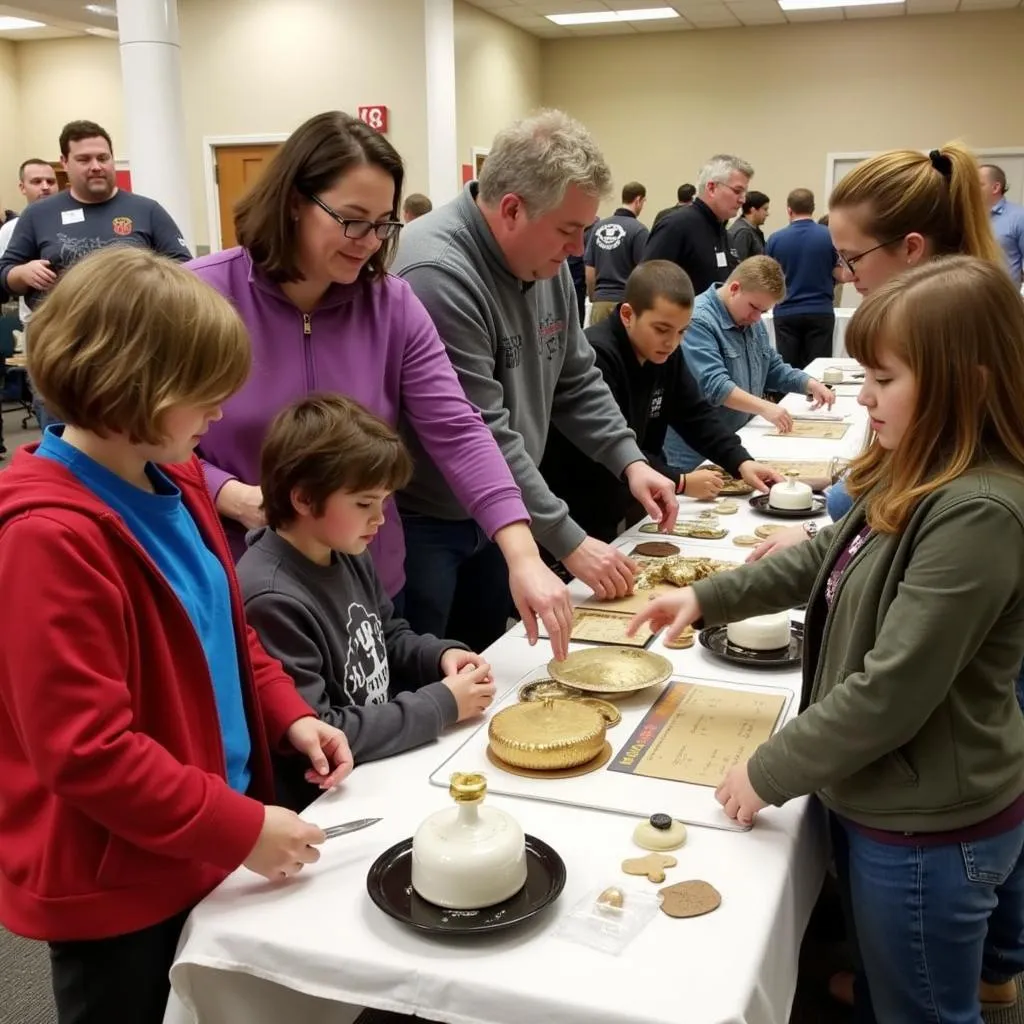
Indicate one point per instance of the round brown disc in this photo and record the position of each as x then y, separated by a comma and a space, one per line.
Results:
690, 899
558, 773
682, 642
656, 549
764, 532
746, 541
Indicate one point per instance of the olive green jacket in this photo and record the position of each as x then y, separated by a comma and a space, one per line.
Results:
909, 720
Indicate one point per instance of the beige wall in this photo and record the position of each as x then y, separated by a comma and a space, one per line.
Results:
497, 76
784, 97
61, 80
10, 197
250, 67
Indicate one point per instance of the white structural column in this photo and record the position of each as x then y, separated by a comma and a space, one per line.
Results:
442, 151
154, 114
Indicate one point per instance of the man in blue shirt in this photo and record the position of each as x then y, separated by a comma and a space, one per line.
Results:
1007, 218
805, 319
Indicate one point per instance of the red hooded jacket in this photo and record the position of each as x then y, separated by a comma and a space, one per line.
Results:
114, 809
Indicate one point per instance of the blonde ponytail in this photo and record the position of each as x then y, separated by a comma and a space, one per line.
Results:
936, 195
967, 205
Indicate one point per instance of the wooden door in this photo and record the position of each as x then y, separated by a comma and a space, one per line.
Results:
237, 169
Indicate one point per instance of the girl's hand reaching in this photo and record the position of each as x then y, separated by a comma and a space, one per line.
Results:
675, 611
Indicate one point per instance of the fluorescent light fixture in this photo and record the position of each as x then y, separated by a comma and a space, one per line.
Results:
817, 5
106, 12
13, 24
613, 17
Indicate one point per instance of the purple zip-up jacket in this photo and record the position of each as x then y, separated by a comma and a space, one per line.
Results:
374, 342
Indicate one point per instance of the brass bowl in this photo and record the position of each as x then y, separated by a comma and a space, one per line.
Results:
547, 734
609, 670
540, 689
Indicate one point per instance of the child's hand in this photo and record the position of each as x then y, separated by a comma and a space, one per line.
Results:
285, 844
738, 796
326, 747
703, 484
454, 660
674, 610
472, 689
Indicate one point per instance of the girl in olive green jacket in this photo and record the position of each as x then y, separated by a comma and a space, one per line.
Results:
910, 731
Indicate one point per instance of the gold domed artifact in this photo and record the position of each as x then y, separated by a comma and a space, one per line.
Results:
547, 734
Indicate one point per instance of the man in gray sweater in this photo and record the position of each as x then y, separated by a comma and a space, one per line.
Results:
490, 267
313, 596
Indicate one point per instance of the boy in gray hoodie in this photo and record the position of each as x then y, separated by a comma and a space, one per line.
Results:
313, 596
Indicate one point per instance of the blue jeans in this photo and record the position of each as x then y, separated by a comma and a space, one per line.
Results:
456, 581
679, 453
929, 921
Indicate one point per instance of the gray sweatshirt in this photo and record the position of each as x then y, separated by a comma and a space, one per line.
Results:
334, 630
522, 358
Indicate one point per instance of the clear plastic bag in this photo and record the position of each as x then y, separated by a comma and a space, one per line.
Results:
596, 921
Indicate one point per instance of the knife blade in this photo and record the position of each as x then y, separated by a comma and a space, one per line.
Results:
350, 826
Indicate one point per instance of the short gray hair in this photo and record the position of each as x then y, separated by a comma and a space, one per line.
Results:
538, 158
719, 167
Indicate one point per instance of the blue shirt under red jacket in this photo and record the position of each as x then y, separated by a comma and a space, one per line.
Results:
115, 810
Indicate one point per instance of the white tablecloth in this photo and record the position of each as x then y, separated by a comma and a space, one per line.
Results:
843, 315
314, 948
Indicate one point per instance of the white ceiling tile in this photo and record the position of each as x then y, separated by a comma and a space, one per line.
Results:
756, 12
529, 22
668, 25
710, 16
826, 14
987, 5
932, 6
601, 30
876, 11
566, 6
707, 14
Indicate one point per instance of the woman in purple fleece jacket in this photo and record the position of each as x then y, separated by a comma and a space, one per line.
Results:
310, 281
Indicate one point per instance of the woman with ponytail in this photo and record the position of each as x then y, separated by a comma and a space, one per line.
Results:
893, 212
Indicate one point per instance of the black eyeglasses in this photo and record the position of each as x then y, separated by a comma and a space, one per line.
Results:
383, 229
737, 190
849, 262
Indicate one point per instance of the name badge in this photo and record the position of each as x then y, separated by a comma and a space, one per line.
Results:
720, 259
78, 217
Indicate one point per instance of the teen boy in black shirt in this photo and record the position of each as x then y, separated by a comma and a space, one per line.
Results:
638, 353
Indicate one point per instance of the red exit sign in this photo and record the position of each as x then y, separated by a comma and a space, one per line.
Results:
376, 117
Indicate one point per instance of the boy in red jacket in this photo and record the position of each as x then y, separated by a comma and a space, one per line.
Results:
137, 710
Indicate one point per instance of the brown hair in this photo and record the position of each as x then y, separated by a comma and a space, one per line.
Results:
75, 131
755, 201
996, 174
29, 163
958, 324
126, 335
632, 191
935, 195
658, 279
417, 204
760, 274
312, 159
801, 200
326, 443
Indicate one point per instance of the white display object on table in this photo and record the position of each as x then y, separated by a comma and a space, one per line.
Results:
843, 315
316, 948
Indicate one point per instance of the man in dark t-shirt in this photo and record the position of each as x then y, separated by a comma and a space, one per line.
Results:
55, 233
614, 248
